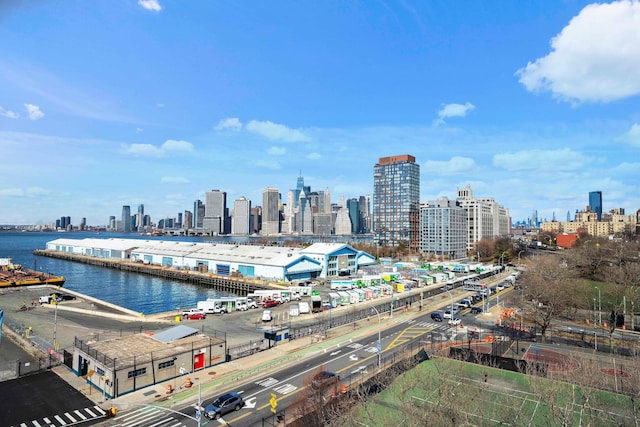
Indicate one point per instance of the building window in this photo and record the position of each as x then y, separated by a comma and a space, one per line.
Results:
137, 372
166, 364
100, 371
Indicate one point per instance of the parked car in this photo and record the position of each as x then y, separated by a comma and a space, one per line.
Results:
436, 316
454, 321
268, 303
267, 316
189, 311
242, 307
196, 316
62, 297
223, 405
324, 379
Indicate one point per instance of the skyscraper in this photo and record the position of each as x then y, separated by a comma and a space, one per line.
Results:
215, 211
126, 218
396, 200
270, 211
241, 221
595, 203
198, 214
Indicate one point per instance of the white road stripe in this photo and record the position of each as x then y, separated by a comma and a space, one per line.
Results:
79, 414
60, 420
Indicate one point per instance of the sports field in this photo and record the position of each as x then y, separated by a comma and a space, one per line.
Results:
444, 392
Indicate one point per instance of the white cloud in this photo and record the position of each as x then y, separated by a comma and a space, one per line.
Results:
150, 150
314, 156
232, 123
595, 58
20, 192
453, 110
454, 166
542, 161
174, 180
276, 132
173, 145
277, 151
143, 150
33, 111
139, 130
150, 5
633, 136
268, 164
8, 113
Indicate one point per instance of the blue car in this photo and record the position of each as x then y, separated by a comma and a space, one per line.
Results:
223, 405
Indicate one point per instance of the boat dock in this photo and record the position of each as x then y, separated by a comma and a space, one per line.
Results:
240, 286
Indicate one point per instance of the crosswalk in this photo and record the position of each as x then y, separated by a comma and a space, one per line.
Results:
275, 385
67, 418
149, 417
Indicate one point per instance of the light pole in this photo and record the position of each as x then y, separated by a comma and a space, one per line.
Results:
519, 257
55, 325
599, 306
379, 341
595, 318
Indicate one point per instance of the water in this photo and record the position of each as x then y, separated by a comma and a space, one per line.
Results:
138, 292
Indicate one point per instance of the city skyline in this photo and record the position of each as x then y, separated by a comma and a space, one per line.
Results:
157, 102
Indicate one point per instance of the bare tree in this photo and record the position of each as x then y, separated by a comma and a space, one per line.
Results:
548, 290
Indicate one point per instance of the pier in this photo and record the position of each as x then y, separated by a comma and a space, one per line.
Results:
238, 286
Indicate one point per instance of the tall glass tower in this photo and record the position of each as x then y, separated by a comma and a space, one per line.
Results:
396, 201
595, 203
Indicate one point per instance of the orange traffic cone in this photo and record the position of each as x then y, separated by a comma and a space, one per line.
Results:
188, 383
333, 392
343, 389
169, 389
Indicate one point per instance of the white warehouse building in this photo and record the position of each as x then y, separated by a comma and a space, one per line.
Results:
279, 263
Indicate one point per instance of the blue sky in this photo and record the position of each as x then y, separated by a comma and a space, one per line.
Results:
114, 102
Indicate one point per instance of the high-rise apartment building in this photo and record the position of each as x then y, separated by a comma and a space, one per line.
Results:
241, 221
140, 218
595, 203
215, 212
396, 200
126, 218
270, 211
443, 229
485, 217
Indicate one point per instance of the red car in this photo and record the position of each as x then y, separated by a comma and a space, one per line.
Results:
269, 303
196, 316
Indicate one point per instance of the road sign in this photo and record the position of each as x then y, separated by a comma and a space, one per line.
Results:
273, 402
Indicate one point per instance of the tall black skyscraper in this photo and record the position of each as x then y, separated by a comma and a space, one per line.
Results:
126, 218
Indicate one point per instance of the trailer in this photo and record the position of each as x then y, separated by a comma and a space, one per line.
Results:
304, 307
316, 304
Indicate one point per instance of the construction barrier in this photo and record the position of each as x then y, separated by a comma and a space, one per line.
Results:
169, 389
188, 383
343, 389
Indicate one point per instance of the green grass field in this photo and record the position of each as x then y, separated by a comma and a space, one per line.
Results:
447, 392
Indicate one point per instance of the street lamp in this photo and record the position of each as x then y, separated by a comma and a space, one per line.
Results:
379, 341
519, 256
599, 306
